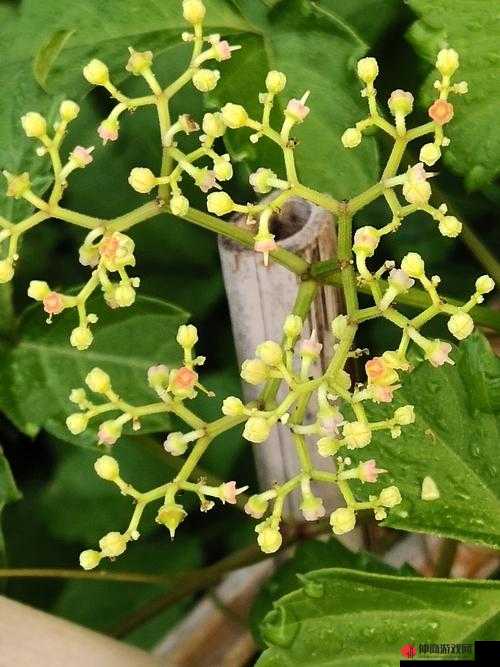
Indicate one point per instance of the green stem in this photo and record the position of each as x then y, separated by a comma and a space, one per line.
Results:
344, 255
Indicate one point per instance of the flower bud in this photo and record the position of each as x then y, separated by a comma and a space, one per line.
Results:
400, 280
53, 303
312, 508
124, 295
416, 189
171, 516
390, 496
213, 125
78, 396
18, 185
254, 371
175, 444
206, 80
109, 432
342, 520
222, 50
437, 353
357, 434
351, 137
413, 265
107, 468
310, 347
96, 72
367, 70
405, 415
262, 180
81, 338
77, 423
461, 325
81, 156
450, 226
234, 115
139, 62
88, 255
182, 382
223, 169
117, 251
275, 82
69, 110
232, 407
485, 284
429, 154
292, 327
188, 123
187, 336
34, 124
270, 353
98, 381
89, 559
366, 240
108, 130
113, 544
219, 203
400, 102
256, 506
158, 376
447, 62
297, 110
6, 271
256, 430
368, 471
193, 11
441, 112
179, 205
339, 326
328, 446
142, 180
269, 539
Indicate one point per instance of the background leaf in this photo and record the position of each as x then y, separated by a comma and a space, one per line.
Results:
342, 617
8, 494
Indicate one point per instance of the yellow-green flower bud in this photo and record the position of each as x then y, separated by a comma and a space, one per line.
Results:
69, 110
234, 115
113, 544
367, 70
232, 407
213, 125
390, 496
256, 506
485, 284
6, 271
413, 265
339, 326
400, 102
77, 423
357, 434
461, 325
175, 444
351, 137
96, 72
270, 353
447, 62
275, 82
405, 415
171, 516
18, 185
179, 205
142, 180
109, 432
89, 559
107, 468
256, 430
193, 11
450, 226
292, 327
124, 295
98, 381
139, 62
366, 240
34, 124
81, 338
187, 335
254, 371
312, 508
206, 80
342, 520
269, 539
262, 181
429, 154
223, 169
219, 203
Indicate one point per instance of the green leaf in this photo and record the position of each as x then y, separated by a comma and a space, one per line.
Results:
43, 367
8, 494
473, 29
312, 555
48, 54
318, 53
342, 618
454, 441
101, 604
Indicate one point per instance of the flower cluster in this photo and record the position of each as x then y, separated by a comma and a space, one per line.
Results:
342, 421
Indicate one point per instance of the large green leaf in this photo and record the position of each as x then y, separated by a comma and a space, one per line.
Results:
8, 494
40, 371
312, 555
455, 441
341, 618
317, 52
473, 29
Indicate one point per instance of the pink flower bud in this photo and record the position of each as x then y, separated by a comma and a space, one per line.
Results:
229, 492
310, 347
265, 245
222, 50
441, 112
108, 130
82, 156
382, 394
437, 353
375, 369
184, 378
297, 110
368, 471
53, 303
